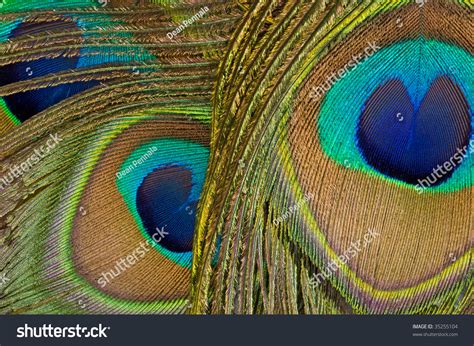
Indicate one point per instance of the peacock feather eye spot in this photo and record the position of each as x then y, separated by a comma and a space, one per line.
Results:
402, 116
407, 141
160, 182
163, 203
26, 104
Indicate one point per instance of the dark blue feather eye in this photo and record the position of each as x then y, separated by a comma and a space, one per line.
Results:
160, 183
407, 141
22, 105
398, 122
163, 202
28, 103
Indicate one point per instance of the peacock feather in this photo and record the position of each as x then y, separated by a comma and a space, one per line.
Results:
103, 221
327, 115
291, 157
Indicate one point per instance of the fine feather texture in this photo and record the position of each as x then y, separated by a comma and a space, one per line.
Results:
309, 156
69, 222
267, 157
